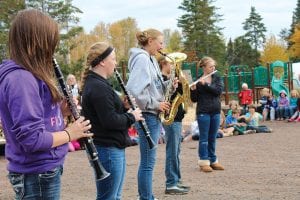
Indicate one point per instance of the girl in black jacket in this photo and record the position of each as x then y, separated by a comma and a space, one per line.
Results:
109, 116
207, 94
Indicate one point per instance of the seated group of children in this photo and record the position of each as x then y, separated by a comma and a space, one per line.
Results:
282, 108
245, 124
234, 123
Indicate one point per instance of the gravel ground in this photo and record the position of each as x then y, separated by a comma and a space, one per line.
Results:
258, 166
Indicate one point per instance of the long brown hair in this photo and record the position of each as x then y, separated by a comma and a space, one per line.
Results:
94, 51
33, 37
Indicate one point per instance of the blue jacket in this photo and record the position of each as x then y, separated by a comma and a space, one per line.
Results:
29, 117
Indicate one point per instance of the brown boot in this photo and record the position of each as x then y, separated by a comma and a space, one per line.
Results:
204, 166
217, 166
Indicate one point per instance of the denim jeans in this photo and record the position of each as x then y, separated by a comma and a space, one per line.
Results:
37, 186
282, 112
208, 127
173, 142
292, 110
114, 162
147, 156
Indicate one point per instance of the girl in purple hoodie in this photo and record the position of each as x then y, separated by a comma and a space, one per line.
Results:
31, 109
283, 106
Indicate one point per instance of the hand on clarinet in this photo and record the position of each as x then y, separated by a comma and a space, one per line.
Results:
126, 101
79, 129
137, 113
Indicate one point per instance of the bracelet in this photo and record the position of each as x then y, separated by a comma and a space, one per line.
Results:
68, 134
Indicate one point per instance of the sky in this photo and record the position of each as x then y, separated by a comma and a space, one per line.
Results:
163, 14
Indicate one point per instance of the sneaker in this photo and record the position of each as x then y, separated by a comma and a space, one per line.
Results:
176, 190
181, 185
250, 132
298, 120
235, 133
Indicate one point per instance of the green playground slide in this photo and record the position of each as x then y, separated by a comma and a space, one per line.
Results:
277, 85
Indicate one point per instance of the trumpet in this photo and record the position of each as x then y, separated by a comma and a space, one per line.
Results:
204, 77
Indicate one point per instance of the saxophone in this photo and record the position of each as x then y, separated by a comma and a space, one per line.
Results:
175, 58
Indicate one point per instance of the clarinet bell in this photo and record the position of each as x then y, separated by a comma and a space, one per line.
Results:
101, 173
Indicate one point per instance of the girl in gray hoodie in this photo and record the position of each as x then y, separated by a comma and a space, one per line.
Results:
146, 85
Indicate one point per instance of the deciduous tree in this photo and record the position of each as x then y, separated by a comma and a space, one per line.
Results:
273, 50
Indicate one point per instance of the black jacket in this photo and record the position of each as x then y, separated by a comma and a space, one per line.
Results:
108, 116
208, 96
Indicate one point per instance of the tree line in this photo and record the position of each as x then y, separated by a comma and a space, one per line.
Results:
200, 35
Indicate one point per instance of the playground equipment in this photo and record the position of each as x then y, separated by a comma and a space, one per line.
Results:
276, 77
279, 73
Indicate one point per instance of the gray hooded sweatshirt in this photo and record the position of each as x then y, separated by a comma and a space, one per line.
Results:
145, 81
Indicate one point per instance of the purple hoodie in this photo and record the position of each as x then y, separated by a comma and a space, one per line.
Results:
29, 118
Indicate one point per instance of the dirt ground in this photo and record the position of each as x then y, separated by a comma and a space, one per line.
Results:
257, 166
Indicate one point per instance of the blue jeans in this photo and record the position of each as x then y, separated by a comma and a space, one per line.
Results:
37, 186
282, 112
173, 142
114, 162
208, 127
147, 156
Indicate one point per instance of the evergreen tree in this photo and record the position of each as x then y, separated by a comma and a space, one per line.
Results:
255, 31
243, 53
200, 32
289, 36
66, 15
8, 9
295, 19
229, 53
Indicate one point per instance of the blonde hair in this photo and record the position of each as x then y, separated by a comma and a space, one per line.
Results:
144, 36
295, 92
265, 92
233, 103
205, 60
94, 51
162, 61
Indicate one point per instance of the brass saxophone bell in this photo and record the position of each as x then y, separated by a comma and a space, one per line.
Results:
176, 57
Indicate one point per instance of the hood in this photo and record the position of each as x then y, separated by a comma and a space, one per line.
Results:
283, 91
133, 53
6, 67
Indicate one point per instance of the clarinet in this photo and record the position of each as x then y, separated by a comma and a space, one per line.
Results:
142, 123
100, 172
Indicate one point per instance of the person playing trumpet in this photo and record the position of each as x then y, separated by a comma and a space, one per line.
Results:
206, 92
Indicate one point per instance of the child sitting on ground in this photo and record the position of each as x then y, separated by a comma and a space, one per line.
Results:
223, 130
296, 116
293, 102
270, 107
283, 106
239, 128
233, 104
252, 118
